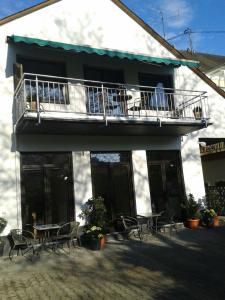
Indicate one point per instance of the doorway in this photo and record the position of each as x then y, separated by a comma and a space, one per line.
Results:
46, 188
112, 180
166, 181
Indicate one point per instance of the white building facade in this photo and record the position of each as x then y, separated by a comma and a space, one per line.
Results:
93, 104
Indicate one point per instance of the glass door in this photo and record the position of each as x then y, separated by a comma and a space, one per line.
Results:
46, 188
166, 182
112, 180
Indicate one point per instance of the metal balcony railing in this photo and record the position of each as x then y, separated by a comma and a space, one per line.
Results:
47, 94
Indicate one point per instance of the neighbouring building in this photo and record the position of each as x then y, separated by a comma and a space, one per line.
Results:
95, 102
211, 64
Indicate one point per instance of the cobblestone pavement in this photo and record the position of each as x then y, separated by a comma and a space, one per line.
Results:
187, 265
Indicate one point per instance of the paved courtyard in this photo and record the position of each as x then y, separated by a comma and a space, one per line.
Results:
187, 265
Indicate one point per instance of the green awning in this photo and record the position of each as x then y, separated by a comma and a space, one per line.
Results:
108, 52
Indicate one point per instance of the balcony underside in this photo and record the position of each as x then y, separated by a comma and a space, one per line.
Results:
97, 125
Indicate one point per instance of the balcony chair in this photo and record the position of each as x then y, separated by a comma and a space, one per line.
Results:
22, 241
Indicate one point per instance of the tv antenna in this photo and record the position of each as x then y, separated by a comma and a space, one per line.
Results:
188, 32
163, 18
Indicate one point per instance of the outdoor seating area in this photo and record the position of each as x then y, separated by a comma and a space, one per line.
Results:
98, 228
138, 226
55, 237
45, 237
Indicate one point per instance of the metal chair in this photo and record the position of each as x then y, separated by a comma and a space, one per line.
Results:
131, 226
166, 221
22, 241
67, 234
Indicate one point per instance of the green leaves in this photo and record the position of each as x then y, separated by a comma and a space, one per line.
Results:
94, 212
191, 208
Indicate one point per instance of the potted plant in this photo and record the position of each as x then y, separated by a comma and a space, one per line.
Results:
94, 237
94, 214
31, 97
197, 112
209, 218
191, 212
3, 224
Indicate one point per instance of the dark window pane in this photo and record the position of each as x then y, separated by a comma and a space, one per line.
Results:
156, 97
166, 182
112, 179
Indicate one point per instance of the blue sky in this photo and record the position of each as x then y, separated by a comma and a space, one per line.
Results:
199, 15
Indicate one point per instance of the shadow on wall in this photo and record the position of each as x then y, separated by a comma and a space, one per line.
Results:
7, 170
63, 33
8, 181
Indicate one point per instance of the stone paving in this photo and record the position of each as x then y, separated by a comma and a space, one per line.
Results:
187, 265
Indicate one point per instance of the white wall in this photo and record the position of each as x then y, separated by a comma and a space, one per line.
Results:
100, 24
186, 79
82, 181
141, 182
192, 167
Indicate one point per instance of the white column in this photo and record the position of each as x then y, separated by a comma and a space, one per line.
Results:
141, 182
18, 189
77, 96
82, 180
192, 167
10, 200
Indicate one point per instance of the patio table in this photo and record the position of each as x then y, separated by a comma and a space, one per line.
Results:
150, 218
46, 229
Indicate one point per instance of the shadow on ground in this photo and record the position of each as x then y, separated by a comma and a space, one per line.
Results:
187, 265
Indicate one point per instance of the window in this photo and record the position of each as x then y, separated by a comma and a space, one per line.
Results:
159, 95
50, 90
95, 94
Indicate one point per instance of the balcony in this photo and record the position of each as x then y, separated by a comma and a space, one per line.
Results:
57, 105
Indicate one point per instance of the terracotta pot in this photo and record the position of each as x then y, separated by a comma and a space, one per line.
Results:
102, 242
216, 221
192, 223
33, 105
198, 114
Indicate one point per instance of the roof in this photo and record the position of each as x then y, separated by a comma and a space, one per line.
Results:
208, 62
138, 20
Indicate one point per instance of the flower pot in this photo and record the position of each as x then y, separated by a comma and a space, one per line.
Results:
94, 244
33, 105
216, 221
102, 242
192, 223
198, 115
